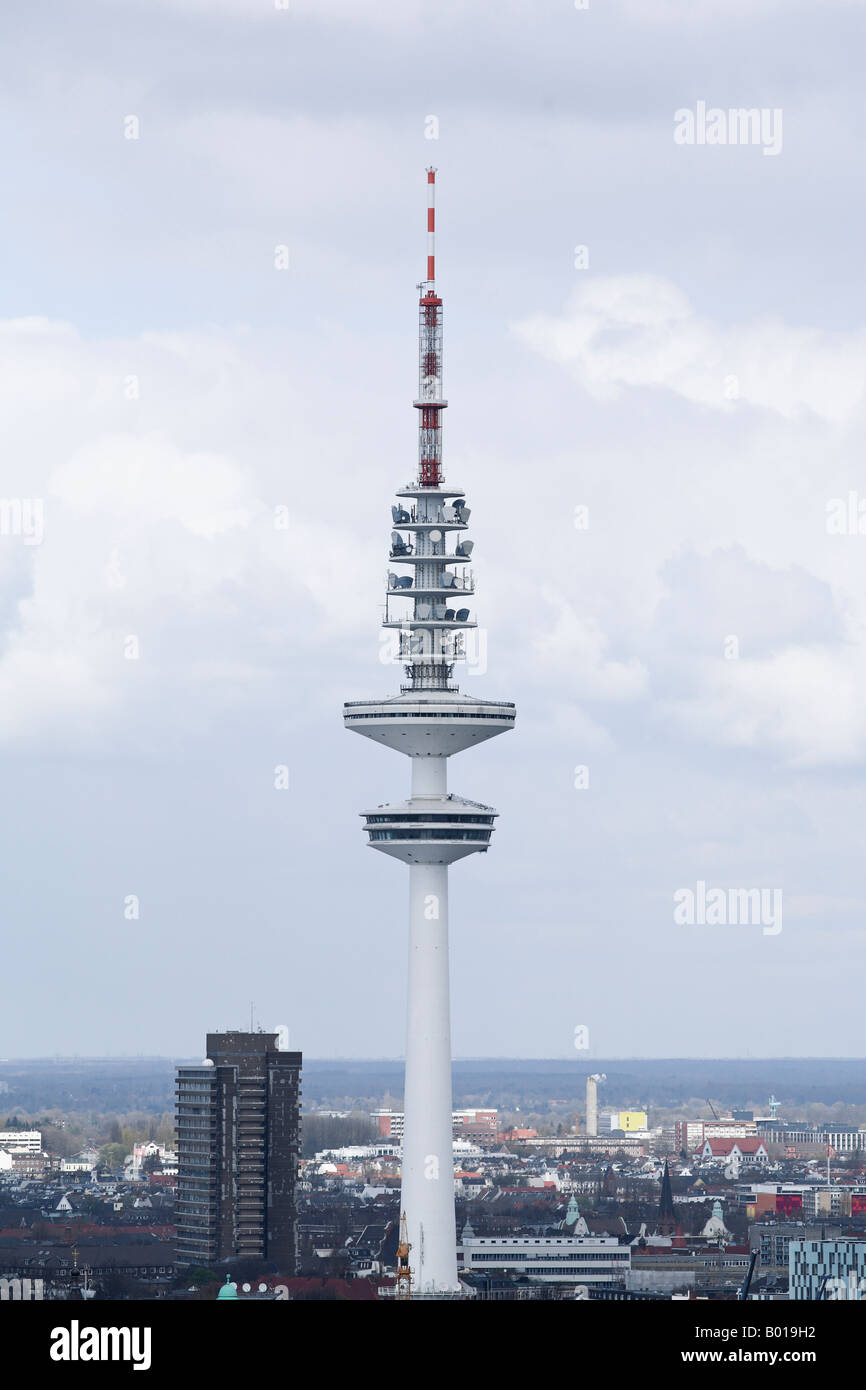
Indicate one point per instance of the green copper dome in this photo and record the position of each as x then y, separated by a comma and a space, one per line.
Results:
228, 1290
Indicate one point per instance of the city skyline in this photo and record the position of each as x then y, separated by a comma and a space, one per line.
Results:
667, 336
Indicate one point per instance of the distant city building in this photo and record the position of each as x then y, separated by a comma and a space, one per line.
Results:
690, 1135
475, 1124
604, 1145
840, 1138
715, 1228
389, 1123
78, 1165
730, 1129
237, 1152
775, 1199
166, 1158
830, 1269
806, 1201
629, 1121
565, 1259
468, 1123
834, 1201
736, 1150
374, 1250
58, 1263
21, 1140
772, 1240
23, 1163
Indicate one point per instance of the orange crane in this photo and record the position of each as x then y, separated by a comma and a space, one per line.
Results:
404, 1273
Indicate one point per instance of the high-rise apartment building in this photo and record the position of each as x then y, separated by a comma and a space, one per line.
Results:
237, 1152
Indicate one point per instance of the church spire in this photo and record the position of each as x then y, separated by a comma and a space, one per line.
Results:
666, 1220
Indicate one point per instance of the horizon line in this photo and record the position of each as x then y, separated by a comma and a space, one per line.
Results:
469, 1057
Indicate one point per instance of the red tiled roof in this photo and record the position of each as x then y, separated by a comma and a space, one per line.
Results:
724, 1146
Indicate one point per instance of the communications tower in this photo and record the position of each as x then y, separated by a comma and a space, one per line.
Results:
428, 608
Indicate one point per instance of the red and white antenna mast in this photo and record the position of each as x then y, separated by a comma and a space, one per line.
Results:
430, 400
431, 226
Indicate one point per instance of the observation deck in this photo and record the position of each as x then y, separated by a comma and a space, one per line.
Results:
429, 724
430, 829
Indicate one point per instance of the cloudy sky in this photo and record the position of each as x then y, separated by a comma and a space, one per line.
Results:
655, 355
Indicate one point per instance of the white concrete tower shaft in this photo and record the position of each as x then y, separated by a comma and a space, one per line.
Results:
429, 721
427, 1194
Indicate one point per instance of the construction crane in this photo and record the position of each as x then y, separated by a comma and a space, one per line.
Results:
713, 1109
747, 1282
404, 1273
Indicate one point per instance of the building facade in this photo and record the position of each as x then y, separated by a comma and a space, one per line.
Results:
21, 1140
237, 1152
734, 1150
827, 1269
561, 1259
772, 1240
389, 1123
628, 1121
166, 1158
690, 1135
840, 1138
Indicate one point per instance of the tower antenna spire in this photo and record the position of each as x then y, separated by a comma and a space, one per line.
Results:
430, 402
431, 226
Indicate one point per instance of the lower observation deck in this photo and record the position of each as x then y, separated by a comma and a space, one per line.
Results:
431, 829
429, 723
